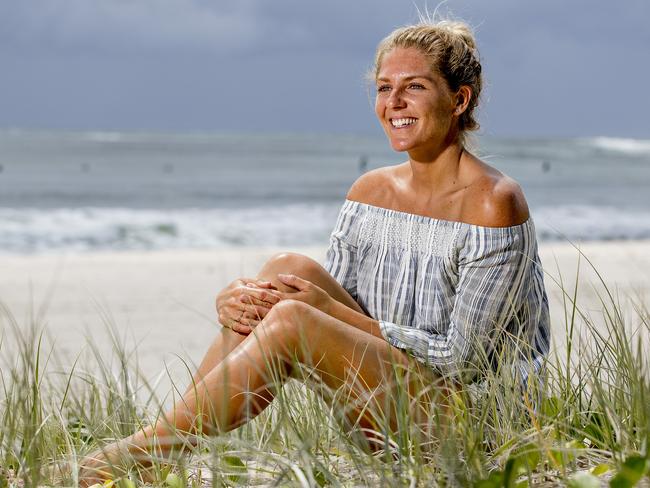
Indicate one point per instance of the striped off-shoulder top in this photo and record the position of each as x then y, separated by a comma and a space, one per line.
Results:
446, 292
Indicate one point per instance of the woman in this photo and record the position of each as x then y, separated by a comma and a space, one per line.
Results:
433, 259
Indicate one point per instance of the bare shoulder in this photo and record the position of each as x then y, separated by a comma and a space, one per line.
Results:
495, 200
373, 187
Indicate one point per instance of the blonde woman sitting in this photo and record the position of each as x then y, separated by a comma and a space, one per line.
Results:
431, 264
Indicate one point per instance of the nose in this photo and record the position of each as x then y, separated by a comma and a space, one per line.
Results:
395, 99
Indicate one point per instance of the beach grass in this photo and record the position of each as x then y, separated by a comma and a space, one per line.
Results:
587, 426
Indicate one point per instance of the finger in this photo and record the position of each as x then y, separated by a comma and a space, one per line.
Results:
251, 322
238, 303
230, 316
229, 320
256, 311
261, 284
248, 300
265, 295
240, 327
248, 320
294, 281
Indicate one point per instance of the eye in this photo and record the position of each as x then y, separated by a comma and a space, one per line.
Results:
416, 86
383, 88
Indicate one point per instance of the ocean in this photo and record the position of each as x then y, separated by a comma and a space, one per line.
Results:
104, 191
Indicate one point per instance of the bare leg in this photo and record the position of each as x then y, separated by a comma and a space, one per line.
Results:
345, 357
290, 263
232, 384
238, 388
226, 342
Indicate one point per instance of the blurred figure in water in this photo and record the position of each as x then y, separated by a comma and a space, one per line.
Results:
363, 163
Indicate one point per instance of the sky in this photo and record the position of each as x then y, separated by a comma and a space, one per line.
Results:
553, 68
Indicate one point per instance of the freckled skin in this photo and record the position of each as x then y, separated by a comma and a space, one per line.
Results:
407, 88
441, 179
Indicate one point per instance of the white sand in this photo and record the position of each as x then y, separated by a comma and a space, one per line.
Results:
164, 301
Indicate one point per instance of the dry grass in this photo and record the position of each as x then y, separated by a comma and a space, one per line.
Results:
588, 427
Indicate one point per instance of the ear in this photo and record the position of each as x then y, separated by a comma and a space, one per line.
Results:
463, 97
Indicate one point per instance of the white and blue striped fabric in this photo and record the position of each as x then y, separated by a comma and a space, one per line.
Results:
446, 292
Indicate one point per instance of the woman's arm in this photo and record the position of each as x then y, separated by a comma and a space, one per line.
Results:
499, 295
307, 292
356, 319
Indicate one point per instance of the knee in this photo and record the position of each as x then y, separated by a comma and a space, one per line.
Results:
292, 263
288, 315
289, 320
288, 328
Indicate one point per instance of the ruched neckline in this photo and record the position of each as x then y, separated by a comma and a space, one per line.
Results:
389, 212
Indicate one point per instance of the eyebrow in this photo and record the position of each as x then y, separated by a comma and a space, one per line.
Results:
409, 78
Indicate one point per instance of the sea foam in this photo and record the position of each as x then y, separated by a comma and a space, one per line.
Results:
638, 147
91, 229
122, 229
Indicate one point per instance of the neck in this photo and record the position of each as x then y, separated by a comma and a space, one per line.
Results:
435, 167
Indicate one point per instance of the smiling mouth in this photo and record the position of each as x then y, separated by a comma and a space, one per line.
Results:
403, 122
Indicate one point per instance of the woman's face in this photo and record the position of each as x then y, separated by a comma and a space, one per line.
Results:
414, 104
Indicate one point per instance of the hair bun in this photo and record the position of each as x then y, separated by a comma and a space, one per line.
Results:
460, 30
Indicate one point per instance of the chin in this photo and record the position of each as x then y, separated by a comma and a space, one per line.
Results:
400, 146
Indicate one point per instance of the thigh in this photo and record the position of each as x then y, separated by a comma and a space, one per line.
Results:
378, 386
371, 381
308, 269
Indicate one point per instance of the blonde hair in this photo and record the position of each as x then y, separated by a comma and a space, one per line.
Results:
451, 47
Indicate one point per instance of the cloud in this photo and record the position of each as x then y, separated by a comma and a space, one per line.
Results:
222, 26
125, 25
298, 24
296, 64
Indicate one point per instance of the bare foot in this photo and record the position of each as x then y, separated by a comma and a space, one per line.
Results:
101, 465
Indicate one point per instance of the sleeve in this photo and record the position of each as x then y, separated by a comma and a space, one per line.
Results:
341, 257
494, 266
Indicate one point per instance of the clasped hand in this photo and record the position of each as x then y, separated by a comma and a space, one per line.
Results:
245, 302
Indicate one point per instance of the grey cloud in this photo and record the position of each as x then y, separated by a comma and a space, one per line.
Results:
121, 25
552, 66
298, 24
224, 26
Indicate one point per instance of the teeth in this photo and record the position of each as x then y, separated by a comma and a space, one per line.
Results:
403, 122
